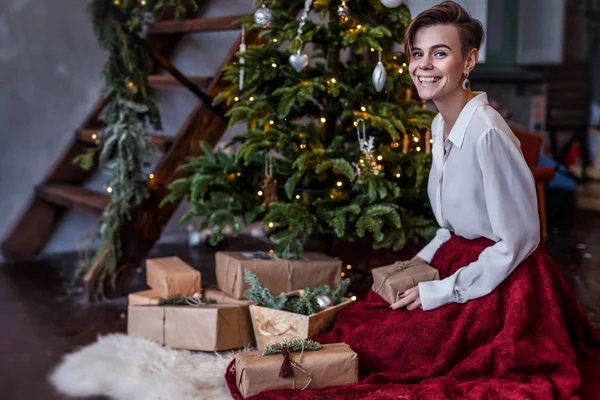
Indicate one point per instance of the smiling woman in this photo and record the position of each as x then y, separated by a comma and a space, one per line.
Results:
502, 322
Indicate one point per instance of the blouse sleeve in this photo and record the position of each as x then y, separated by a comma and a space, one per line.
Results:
441, 236
509, 191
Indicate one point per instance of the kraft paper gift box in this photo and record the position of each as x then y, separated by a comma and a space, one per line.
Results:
170, 276
206, 327
392, 280
277, 275
333, 365
144, 298
274, 326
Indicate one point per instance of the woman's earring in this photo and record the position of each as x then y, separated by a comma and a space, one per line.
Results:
466, 83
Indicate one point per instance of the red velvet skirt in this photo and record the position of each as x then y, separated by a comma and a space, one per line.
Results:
519, 342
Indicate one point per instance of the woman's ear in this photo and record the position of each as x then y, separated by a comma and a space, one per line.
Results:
471, 61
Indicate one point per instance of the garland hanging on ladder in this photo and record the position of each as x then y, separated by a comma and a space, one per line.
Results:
122, 143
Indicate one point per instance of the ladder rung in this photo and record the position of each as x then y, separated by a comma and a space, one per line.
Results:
161, 142
169, 82
74, 197
195, 25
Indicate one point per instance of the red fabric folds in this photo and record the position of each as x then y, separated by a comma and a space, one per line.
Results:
519, 342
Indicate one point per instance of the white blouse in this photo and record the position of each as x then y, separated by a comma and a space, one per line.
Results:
479, 186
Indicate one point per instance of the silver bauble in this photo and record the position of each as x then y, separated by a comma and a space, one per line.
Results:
263, 16
379, 77
298, 61
343, 12
324, 301
392, 3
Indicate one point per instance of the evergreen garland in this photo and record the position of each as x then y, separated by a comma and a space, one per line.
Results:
305, 122
122, 143
305, 304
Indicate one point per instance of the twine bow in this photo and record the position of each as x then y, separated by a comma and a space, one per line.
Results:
399, 266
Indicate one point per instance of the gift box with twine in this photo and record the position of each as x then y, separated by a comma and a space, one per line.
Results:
393, 280
291, 366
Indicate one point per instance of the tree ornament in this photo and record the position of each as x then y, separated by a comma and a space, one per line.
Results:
263, 16
324, 301
392, 3
367, 147
343, 12
299, 61
242, 60
379, 75
269, 186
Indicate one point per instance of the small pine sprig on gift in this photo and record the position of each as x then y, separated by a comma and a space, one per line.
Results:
292, 345
180, 300
261, 296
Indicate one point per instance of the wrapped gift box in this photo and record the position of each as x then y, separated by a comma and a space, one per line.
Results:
392, 280
206, 327
145, 298
274, 326
333, 365
170, 276
277, 275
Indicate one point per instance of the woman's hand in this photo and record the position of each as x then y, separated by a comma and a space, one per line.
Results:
410, 299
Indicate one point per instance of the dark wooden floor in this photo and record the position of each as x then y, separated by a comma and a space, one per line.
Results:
42, 316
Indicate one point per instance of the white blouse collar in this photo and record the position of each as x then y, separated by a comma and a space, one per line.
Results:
457, 134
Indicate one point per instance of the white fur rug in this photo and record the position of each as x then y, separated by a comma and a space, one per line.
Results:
123, 367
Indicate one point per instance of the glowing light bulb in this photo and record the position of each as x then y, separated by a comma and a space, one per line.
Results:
379, 157
94, 136
297, 197
343, 274
353, 298
372, 49
275, 40
109, 189
348, 266
323, 120
418, 149
151, 176
274, 65
398, 175
333, 80
339, 183
355, 123
404, 65
251, 98
236, 98
431, 141
260, 193
416, 139
400, 70
271, 251
271, 224
271, 122
363, 109
358, 26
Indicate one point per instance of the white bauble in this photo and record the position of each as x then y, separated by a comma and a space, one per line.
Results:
392, 3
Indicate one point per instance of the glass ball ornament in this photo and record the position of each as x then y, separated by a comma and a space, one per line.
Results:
343, 12
324, 301
392, 3
263, 16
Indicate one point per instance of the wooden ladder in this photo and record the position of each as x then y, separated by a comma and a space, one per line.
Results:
62, 190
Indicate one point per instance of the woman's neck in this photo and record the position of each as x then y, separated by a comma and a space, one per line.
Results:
450, 107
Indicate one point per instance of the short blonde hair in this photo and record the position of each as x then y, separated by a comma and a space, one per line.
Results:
470, 30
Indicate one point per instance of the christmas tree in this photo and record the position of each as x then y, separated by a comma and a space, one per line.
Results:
334, 146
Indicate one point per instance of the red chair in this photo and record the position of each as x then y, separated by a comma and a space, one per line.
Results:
531, 144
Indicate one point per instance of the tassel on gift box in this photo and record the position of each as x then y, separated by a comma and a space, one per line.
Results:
286, 366
277, 275
170, 276
207, 327
393, 280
